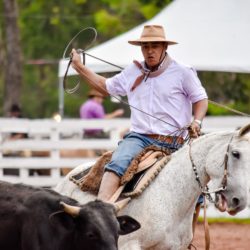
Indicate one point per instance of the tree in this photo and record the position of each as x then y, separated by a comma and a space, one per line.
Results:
13, 66
47, 26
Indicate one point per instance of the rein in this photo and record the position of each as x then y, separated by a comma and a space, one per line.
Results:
205, 190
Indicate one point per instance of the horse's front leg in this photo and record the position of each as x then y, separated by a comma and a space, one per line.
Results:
177, 239
170, 246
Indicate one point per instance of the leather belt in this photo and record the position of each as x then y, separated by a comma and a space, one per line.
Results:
166, 138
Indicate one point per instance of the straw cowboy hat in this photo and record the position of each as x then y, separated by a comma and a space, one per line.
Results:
94, 92
152, 33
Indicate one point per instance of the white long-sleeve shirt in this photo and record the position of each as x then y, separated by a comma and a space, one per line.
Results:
168, 97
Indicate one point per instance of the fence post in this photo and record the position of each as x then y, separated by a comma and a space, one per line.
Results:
55, 152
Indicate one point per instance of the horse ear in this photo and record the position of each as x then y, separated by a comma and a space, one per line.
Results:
244, 130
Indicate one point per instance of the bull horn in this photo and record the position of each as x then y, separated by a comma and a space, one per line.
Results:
244, 130
71, 210
119, 205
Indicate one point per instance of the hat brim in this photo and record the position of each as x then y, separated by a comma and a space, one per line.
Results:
139, 42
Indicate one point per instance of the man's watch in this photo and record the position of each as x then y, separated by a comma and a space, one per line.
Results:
198, 121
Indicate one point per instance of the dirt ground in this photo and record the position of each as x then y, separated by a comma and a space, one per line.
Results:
223, 236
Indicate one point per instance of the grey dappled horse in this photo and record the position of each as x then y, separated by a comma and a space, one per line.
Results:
165, 209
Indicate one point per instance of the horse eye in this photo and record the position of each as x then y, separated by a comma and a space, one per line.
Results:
236, 154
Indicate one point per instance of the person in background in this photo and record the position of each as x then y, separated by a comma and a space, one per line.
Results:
16, 112
93, 109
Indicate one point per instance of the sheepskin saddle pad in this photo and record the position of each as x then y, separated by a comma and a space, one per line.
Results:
142, 170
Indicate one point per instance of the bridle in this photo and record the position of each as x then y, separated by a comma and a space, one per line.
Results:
205, 190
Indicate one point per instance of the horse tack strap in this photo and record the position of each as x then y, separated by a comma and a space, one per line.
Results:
205, 190
206, 226
150, 174
166, 138
224, 180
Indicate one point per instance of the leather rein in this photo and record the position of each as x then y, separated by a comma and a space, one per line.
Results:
205, 190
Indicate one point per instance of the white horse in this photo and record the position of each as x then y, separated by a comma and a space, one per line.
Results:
165, 209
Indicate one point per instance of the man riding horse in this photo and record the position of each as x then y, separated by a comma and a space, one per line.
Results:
164, 93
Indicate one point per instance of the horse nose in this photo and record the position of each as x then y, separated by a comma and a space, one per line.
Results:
235, 202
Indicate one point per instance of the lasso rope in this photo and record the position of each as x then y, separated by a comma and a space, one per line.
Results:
81, 51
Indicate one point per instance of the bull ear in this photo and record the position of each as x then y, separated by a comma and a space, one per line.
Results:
62, 220
244, 130
127, 224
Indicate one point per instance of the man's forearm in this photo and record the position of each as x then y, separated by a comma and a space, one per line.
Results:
200, 109
94, 80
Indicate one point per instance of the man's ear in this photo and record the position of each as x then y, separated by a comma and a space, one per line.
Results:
127, 224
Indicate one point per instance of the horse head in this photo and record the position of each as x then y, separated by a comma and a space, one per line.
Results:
233, 194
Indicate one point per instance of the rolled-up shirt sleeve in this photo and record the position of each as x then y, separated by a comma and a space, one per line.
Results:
192, 86
116, 85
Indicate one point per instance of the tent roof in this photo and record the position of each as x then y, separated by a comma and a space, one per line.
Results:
212, 35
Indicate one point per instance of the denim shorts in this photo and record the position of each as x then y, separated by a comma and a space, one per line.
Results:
131, 145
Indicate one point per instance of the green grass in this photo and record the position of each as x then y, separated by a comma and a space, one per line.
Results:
226, 220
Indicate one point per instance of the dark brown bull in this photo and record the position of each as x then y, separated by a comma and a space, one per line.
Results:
41, 219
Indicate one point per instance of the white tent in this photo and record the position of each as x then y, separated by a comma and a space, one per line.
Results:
213, 35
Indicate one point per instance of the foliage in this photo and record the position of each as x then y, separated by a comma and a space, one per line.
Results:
227, 220
230, 89
46, 28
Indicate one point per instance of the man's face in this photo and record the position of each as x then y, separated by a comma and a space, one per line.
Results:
153, 52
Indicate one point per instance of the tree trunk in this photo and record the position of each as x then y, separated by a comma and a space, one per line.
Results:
2, 62
14, 64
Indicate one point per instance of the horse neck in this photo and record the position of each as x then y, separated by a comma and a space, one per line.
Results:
203, 147
179, 175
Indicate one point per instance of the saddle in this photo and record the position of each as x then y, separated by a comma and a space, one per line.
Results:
140, 173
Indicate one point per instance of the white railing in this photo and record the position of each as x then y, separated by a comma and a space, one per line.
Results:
51, 147
54, 147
